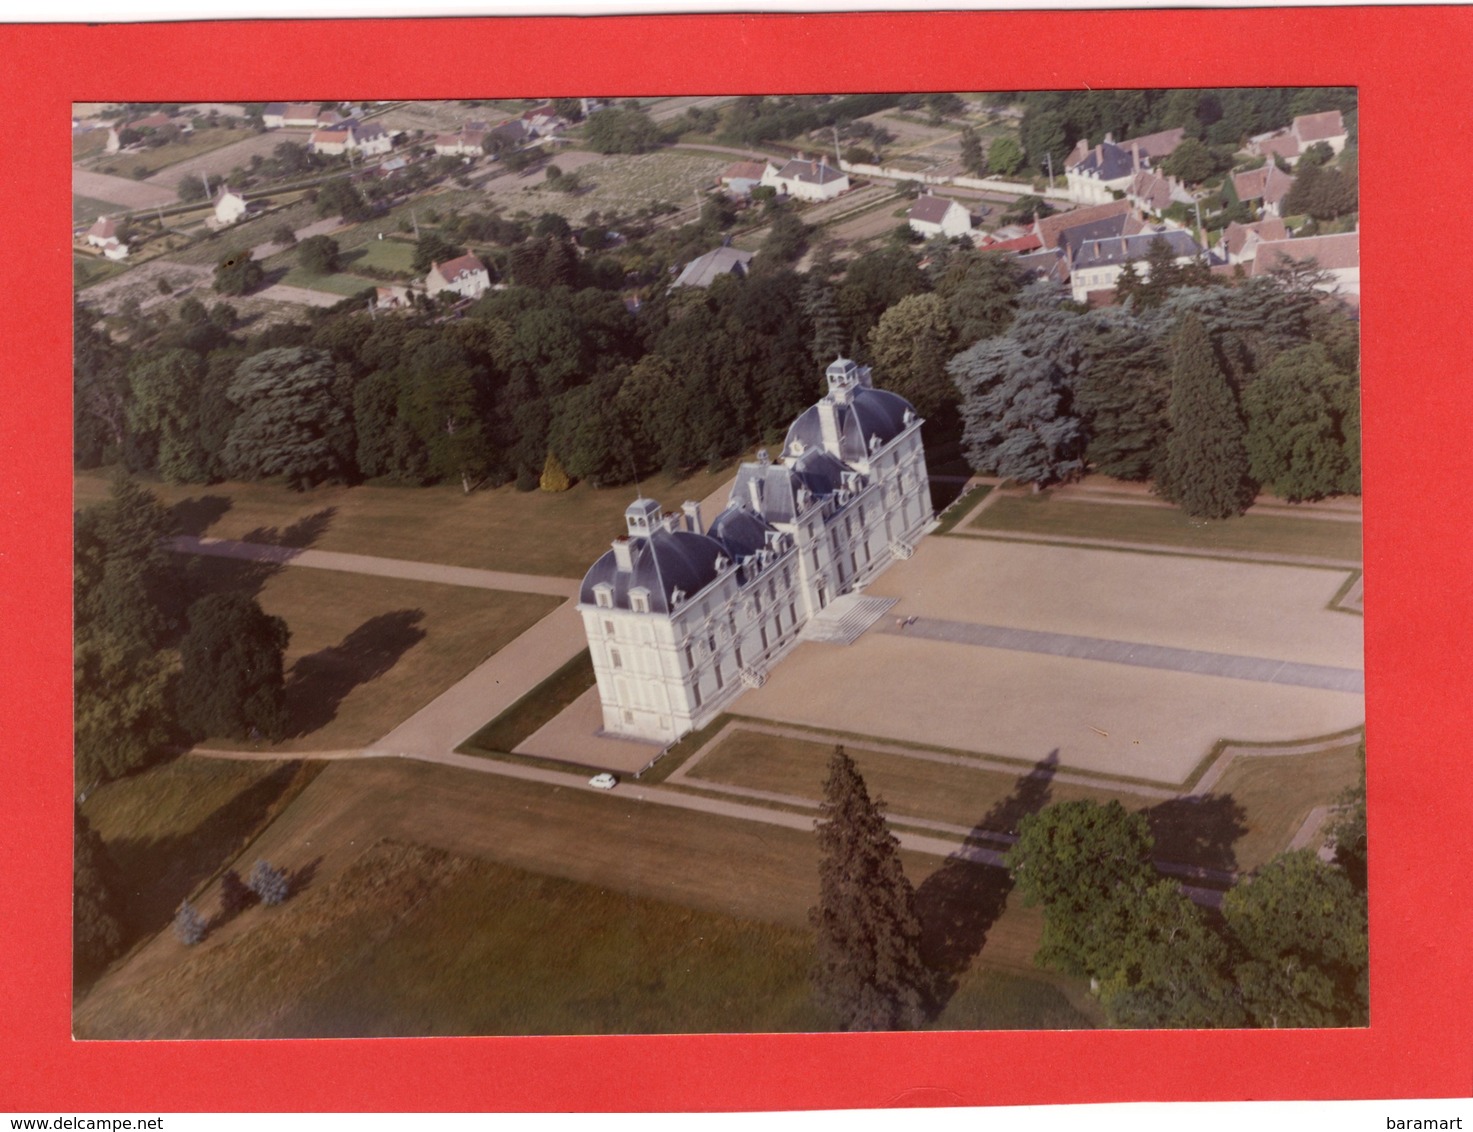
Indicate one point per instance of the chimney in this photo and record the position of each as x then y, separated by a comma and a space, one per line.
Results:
623, 555
692, 511
828, 423
754, 489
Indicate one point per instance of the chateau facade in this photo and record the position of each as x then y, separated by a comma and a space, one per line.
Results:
681, 617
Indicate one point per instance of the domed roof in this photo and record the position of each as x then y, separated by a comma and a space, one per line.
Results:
864, 413
741, 531
664, 562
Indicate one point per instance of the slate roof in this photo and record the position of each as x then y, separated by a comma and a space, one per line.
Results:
930, 209
662, 563
810, 172
1121, 224
705, 270
1107, 161
867, 412
1133, 249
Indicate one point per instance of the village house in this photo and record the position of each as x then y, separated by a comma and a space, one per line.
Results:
741, 177
394, 297
465, 275
468, 141
1153, 193
1337, 256
1289, 143
367, 139
705, 270
104, 236
938, 216
1098, 264
1240, 241
807, 180
1095, 174
1267, 184
681, 618
229, 207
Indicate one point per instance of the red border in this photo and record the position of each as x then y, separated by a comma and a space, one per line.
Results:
1413, 68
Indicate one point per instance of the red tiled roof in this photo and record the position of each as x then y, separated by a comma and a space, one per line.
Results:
1050, 228
1281, 145
1026, 243
1235, 237
1317, 127
453, 269
302, 110
334, 136
153, 121
744, 171
104, 229
1161, 144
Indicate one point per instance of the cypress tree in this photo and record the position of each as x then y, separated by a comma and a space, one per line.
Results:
869, 971
1206, 466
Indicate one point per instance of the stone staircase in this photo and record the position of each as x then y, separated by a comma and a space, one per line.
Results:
845, 619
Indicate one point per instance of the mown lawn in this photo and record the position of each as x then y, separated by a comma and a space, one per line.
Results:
411, 941
172, 827
535, 532
1167, 526
366, 652
383, 255
87, 209
338, 283
1251, 814
538, 707
89, 269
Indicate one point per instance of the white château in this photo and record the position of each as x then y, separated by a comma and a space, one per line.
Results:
682, 618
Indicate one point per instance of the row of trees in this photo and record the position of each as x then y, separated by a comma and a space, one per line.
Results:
1290, 948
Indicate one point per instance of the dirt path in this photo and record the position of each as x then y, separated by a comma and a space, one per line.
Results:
285, 293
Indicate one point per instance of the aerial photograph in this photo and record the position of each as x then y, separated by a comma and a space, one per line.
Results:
718, 564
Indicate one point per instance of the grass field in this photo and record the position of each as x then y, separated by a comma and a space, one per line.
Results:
367, 651
1168, 527
174, 826
247, 234
1251, 814
536, 532
89, 269
190, 145
337, 284
536, 708
403, 941
384, 255
87, 209
86, 144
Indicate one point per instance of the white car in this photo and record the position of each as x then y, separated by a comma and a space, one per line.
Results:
603, 782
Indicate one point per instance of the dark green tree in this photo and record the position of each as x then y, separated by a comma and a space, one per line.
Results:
125, 580
191, 187
621, 129
1296, 438
1206, 467
1347, 829
290, 422
1301, 929
431, 249
231, 682
1005, 156
165, 398
821, 309
910, 347
97, 906
981, 291
238, 274
1191, 162
1122, 395
971, 153
1075, 859
786, 240
319, 255
869, 971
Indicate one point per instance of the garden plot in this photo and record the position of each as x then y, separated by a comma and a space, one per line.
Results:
120, 191
218, 162
621, 183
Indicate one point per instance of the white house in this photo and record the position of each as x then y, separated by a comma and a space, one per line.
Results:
938, 216
468, 141
366, 138
681, 618
1338, 256
103, 233
1097, 264
806, 180
229, 206
466, 276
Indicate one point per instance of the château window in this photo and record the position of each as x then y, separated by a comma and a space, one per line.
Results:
615, 659
608, 628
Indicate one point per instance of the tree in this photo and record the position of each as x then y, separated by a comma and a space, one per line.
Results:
189, 929
981, 291
1075, 858
1122, 396
165, 401
971, 152
822, 311
238, 274
621, 129
125, 579
1206, 465
786, 240
231, 682
269, 883
868, 971
1301, 929
554, 478
318, 255
1005, 155
1347, 829
191, 187
291, 423
284, 234
910, 346
97, 911
433, 248
1191, 162
1015, 397
1296, 439
121, 715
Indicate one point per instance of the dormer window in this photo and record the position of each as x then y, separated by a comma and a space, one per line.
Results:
639, 600
677, 598
603, 595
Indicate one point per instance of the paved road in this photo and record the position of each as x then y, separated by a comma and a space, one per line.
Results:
1261, 669
382, 567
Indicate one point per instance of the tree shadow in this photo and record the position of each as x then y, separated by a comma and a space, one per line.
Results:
318, 684
298, 880
1198, 829
207, 575
194, 516
959, 902
299, 535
